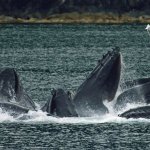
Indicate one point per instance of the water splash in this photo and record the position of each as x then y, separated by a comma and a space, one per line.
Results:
5, 117
40, 117
122, 77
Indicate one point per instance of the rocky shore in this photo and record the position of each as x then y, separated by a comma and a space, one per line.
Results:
97, 18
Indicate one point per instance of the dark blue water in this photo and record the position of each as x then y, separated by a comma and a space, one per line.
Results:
52, 56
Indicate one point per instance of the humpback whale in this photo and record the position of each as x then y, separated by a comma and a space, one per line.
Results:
140, 112
138, 94
12, 94
100, 85
60, 104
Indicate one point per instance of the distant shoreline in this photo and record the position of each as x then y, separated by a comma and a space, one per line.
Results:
77, 18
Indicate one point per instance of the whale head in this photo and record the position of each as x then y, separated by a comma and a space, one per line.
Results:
108, 74
100, 85
60, 104
9, 83
11, 89
105, 77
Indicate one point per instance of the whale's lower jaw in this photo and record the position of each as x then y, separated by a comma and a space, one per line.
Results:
140, 112
13, 109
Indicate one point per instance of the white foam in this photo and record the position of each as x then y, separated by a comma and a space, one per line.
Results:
5, 117
41, 117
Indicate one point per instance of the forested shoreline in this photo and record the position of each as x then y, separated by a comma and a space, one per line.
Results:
74, 11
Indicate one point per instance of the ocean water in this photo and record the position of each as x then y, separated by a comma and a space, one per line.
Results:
61, 56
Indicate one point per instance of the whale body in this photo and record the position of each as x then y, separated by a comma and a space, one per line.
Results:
135, 82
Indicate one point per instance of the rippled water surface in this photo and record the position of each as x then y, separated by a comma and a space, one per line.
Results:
52, 56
